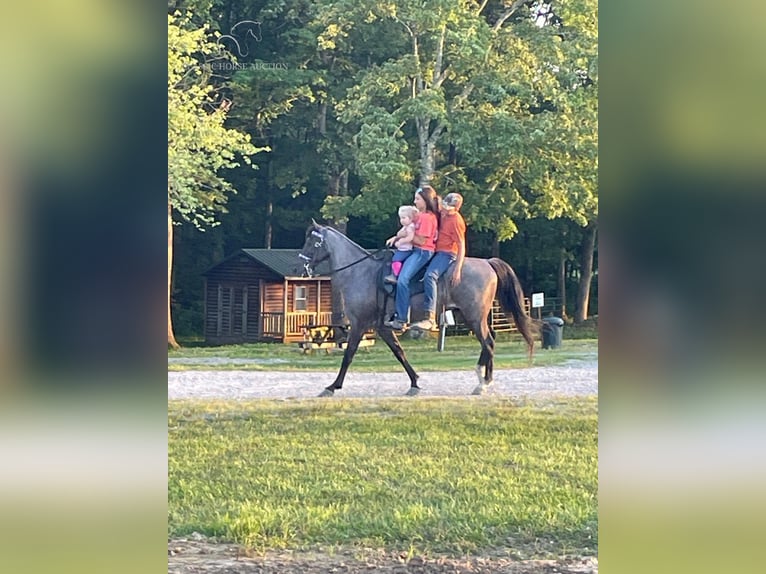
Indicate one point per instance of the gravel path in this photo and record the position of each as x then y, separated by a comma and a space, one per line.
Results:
574, 378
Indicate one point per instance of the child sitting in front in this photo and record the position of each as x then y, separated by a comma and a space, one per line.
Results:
402, 241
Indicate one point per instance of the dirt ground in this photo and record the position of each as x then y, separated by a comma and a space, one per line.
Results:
196, 555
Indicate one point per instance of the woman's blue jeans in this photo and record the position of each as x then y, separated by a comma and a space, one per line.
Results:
411, 266
437, 267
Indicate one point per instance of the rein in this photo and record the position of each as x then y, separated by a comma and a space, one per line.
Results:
368, 256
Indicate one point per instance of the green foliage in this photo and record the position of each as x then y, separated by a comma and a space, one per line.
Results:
199, 145
507, 94
513, 117
436, 475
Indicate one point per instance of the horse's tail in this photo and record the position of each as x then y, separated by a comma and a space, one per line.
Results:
511, 298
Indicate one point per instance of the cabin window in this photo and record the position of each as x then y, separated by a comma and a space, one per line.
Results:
301, 294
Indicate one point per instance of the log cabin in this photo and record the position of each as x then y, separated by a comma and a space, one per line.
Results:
261, 295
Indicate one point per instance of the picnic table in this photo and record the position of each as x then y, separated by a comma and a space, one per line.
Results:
329, 337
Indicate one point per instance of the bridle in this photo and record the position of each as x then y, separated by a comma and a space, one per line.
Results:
311, 262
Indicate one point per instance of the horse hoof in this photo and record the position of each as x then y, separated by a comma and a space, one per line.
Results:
413, 391
480, 390
479, 375
327, 393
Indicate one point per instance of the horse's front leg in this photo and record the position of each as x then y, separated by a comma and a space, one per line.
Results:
354, 338
392, 341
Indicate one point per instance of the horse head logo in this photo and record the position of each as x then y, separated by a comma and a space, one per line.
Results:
240, 36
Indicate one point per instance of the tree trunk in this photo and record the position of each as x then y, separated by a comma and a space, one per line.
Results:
562, 291
171, 336
343, 191
322, 118
429, 164
426, 139
426, 151
495, 246
267, 236
452, 154
269, 205
337, 186
588, 246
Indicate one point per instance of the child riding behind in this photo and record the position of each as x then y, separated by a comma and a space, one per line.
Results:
402, 241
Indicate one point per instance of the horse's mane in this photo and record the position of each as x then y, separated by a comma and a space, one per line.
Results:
345, 237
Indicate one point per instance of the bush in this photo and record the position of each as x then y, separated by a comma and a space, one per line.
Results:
188, 321
588, 329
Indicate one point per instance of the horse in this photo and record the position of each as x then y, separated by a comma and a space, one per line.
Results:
356, 273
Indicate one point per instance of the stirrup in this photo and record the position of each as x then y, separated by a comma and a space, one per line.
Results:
395, 324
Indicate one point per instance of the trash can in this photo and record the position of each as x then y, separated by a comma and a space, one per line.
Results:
553, 328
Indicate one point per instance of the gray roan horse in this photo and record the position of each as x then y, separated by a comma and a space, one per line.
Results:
356, 273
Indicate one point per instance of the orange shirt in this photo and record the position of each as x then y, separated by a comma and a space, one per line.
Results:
427, 226
451, 232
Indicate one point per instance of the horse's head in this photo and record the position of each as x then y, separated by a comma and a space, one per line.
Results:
314, 248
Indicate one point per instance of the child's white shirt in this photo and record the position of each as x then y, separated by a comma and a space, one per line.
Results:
406, 245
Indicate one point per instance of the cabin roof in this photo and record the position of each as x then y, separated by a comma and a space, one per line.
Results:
283, 262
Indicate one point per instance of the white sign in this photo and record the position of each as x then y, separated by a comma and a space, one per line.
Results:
537, 299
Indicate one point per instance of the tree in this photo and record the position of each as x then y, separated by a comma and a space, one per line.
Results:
480, 98
199, 145
552, 148
296, 102
569, 187
401, 105
489, 99
586, 272
547, 254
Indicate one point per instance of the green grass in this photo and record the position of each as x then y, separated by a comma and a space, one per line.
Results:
461, 352
433, 475
585, 330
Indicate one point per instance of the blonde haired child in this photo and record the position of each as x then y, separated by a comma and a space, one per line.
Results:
402, 241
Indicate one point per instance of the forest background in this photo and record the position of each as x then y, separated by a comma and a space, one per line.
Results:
343, 107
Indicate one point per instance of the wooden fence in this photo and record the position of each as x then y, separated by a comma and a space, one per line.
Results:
273, 324
499, 321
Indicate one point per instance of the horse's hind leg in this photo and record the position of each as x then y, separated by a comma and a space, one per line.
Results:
485, 365
481, 365
392, 341
352, 344
490, 367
